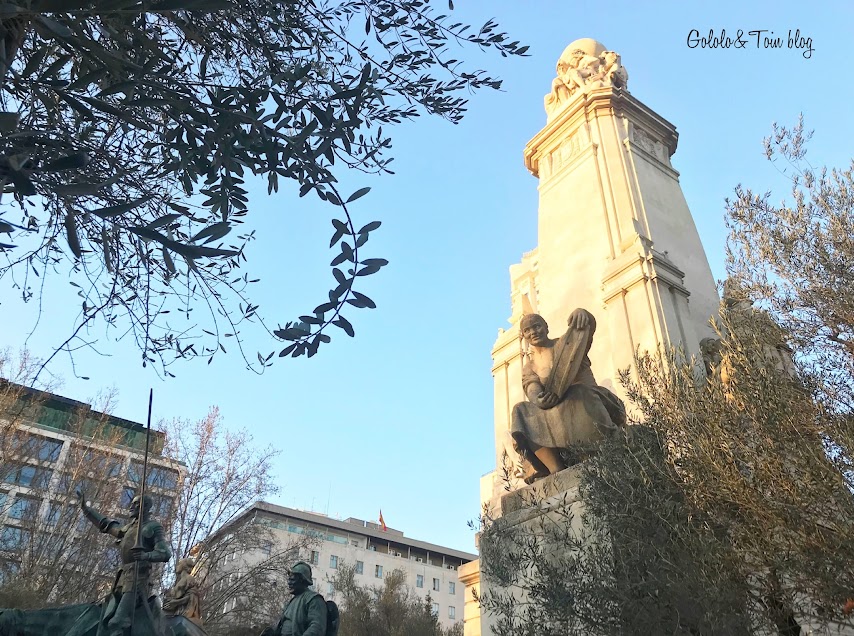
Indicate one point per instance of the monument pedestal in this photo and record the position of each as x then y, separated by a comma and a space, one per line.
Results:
520, 514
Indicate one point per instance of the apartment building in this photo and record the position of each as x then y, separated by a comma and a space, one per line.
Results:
429, 568
51, 445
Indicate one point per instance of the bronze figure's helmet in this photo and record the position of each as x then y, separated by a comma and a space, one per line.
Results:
147, 502
303, 569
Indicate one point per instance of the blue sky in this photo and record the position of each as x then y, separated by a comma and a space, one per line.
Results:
400, 418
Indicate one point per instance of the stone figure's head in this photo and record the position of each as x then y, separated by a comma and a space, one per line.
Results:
185, 566
299, 577
145, 501
611, 58
534, 329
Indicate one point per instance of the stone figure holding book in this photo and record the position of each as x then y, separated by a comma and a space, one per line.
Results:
566, 411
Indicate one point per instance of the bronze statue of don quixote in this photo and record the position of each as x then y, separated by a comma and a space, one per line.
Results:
130, 608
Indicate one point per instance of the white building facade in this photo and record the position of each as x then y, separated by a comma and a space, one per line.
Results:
54, 445
429, 568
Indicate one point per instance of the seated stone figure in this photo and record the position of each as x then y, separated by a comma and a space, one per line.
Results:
565, 406
183, 598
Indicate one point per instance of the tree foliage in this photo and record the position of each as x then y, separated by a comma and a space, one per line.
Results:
240, 566
391, 609
721, 514
796, 259
133, 129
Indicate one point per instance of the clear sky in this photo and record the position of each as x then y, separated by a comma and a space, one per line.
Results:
400, 418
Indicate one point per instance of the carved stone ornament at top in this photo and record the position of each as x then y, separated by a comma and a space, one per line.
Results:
584, 65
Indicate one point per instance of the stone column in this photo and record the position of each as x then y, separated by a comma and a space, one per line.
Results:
469, 576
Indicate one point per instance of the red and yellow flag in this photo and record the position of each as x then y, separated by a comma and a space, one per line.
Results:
382, 521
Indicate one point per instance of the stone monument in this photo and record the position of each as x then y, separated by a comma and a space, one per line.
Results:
615, 236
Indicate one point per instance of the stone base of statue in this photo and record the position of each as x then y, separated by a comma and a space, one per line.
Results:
559, 489
547, 525
87, 620
547, 511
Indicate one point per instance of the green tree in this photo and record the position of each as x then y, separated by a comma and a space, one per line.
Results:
721, 514
227, 473
391, 609
131, 128
796, 260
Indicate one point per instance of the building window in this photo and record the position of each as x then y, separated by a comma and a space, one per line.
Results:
360, 567
435, 585
54, 513
41, 448
112, 557
29, 476
333, 562
336, 538
452, 611
267, 548
24, 508
135, 476
157, 476
330, 589
419, 580
126, 497
8, 572
378, 571
13, 538
452, 587
435, 609
315, 557
102, 463
162, 506
83, 523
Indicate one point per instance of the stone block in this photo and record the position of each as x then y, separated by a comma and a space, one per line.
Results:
551, 490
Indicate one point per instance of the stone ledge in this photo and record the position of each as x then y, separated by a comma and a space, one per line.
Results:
558, 489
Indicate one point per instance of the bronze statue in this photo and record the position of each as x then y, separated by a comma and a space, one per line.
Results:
133, 578
565, 406
306, 614
183, 598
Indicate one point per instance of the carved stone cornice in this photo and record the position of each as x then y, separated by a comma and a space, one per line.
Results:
587, 106
638, 266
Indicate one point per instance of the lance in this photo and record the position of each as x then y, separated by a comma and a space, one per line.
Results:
139, 519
